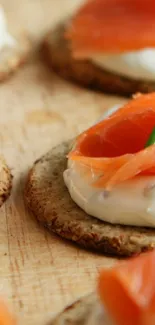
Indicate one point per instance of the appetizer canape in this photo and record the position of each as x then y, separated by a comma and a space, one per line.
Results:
106, 46
102, 195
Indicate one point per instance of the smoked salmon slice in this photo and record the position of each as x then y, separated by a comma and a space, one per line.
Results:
128, 290
6, 317
112, 26
114, 149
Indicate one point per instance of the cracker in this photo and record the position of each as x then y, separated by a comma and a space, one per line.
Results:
48, 199
11, 58
5, 181
79, 312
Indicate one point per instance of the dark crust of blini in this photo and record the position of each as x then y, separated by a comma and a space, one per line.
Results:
5, 181
79, 312
11, 58
57, 53
48, 199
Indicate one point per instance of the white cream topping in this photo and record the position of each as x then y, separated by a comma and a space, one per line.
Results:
135, 65
5, 38
128, 203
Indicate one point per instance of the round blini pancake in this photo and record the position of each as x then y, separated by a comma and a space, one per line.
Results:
80, 312
48, 199
5, 181
57, 53
11, 58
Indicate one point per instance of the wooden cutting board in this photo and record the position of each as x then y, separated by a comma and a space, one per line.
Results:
40, 273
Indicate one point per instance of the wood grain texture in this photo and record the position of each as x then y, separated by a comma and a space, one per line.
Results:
40, 273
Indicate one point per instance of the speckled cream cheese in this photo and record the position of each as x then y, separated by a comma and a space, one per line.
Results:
5, 38
134, 65
129, 203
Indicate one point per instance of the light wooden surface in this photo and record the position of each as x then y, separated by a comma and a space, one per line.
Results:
40, 273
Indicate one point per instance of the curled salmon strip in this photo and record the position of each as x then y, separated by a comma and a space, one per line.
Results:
115, 147
128, 290
112, 26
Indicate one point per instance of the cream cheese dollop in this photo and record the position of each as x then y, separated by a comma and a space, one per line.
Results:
135, 65
5, 38
129, 203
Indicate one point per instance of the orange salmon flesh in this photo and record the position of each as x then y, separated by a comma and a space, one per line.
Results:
128, 290
115, 147
112, 26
